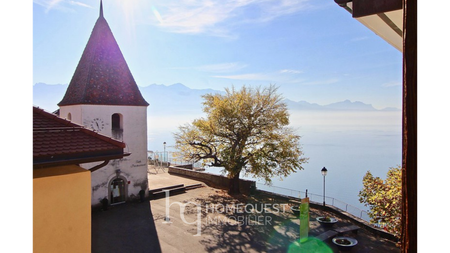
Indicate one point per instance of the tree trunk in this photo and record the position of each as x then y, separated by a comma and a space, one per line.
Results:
234, 184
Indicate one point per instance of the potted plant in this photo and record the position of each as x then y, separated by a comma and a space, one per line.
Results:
326, 220
345, 242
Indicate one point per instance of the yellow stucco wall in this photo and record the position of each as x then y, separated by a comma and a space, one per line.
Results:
62, 209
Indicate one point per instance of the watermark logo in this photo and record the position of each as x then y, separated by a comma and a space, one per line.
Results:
251, 214
182, 211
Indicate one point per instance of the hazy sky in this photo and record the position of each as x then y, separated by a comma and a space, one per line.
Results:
313, 49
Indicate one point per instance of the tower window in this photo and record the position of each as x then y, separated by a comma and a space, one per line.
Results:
117, 126
116, 121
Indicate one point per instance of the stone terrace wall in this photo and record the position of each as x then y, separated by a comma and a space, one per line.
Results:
247, 187
216, 181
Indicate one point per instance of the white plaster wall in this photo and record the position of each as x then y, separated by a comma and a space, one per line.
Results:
133, 167
74, 110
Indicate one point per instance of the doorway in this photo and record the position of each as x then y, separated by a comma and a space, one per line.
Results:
117, 191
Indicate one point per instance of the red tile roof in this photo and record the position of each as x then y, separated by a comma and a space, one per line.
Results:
57, 141
102, 75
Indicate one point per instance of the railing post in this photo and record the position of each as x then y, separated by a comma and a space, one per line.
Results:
316, 198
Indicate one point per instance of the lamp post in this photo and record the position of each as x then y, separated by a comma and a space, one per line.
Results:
164, 154
324, 173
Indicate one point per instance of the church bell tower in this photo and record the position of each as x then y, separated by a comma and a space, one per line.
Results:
103, 96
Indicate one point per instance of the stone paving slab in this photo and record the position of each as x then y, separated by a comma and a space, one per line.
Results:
143, 227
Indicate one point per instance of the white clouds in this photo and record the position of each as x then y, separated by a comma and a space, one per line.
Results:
248, 77
281, 76
190, 16
391, 84
211, 17
215, 17
222, 67
48, 4
80, 4
61, 5
234, 71
287, 76
359, 39
321, 82
290, 71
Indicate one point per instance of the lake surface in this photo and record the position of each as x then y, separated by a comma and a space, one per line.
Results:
347, 143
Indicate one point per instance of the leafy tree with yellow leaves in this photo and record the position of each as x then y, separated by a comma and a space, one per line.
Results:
384, 199
243, 131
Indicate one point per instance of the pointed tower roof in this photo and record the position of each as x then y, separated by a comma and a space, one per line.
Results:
102, 75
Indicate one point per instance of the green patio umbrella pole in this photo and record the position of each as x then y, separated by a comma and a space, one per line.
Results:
304, 219
305, 243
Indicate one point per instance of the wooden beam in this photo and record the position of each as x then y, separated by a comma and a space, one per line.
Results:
363, 8
409, 154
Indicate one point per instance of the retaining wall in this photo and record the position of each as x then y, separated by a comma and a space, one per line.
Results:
213, 180
247, 186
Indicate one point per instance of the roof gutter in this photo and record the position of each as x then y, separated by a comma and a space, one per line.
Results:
106, 158
103, 164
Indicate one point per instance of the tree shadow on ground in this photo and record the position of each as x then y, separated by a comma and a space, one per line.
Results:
245, 224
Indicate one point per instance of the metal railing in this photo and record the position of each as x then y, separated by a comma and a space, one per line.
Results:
162, 159
167, 157
355, 211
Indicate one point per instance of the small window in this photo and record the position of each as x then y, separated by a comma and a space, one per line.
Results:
69, 116
117, 126
116, 123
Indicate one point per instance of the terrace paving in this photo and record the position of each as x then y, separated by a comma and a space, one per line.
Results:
142, 227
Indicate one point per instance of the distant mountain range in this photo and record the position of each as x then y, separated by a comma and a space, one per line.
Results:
178, 99
345, 105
